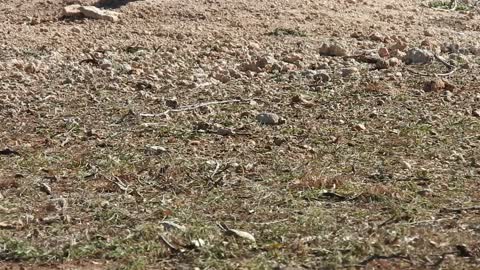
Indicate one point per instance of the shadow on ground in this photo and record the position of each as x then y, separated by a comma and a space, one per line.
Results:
113, 4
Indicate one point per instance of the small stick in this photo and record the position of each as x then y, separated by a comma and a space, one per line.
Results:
453, 5
459, 210
217, 167
195, 106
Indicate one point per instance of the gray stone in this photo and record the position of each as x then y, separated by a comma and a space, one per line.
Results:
418, 56
350, 71
322, 77
269, 119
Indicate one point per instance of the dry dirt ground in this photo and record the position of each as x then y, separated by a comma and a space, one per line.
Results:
362, 162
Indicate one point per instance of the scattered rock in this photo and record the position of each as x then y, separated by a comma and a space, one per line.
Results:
383, 52
269, 119
222, 76
251, 66
382, 64
172, 103
430, 45
393, 62
333, 49
399, 46
418, 56
293, 58
76, 30
300, 99
449, 86
234, 73
126, 68
317, 66
264, 61
448, 96
377, 37
278, 140
254, 46
476, 113
225, 132
199, 126
475, 50
155, 149
106, 64
434, 85
71, 11
322, 77
309, 74
32, 67
359, 127
428, 33
99, 14
398, 54
350, 71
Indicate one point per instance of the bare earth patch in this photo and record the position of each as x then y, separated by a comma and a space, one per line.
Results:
240, 135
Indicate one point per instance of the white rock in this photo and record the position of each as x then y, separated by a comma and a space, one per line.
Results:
71, 11
333, 49
393, 62
322, 76
106, 64
359, 127
99, 14
155, 149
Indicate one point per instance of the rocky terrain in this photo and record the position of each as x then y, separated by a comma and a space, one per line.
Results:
301, 134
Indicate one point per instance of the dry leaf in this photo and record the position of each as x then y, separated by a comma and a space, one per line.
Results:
237, 233
242, 234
